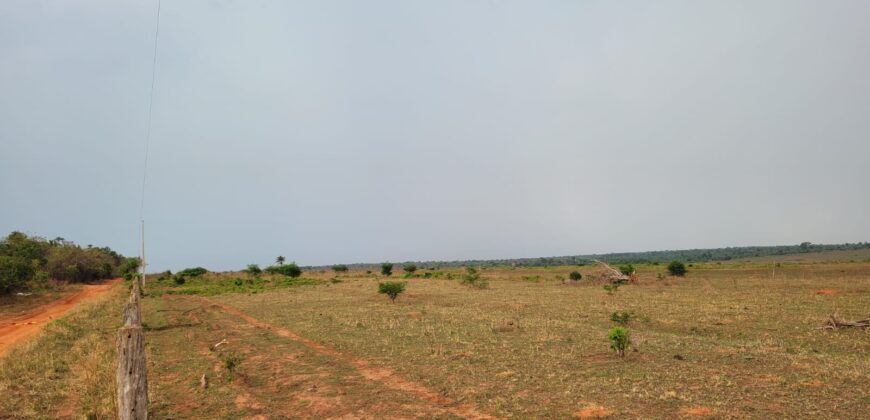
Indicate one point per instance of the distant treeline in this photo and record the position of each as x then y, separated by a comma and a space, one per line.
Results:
30, 262
646, 257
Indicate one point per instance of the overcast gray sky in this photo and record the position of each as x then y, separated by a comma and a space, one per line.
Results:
350, 131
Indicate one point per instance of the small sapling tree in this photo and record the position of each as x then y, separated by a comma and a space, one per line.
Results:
619, 340
472, 278
280, 260
392, 289
612, 287
677, 268
231, 362
387, 269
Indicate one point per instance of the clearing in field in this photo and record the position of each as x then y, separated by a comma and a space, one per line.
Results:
723, 341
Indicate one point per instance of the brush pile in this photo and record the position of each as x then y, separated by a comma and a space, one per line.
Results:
833, 323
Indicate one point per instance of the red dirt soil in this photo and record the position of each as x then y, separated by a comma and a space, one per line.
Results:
827, 292
593, 412
24, 326
385, 376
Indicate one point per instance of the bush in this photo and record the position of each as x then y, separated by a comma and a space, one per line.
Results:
253, 270
339, 268
626, 269
472, 278
60, 259
231, 362
291, 270
129, 268
192, 272
409, 268
387, 269
677, 268
575, 275
391, 289
179, 279
619, 340
14, 273
612, 287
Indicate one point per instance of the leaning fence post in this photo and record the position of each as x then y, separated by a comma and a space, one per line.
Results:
131, 375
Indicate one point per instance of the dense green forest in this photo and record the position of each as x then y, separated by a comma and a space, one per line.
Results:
28, 262
648, 257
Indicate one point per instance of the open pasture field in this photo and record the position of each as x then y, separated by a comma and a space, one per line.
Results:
734, 340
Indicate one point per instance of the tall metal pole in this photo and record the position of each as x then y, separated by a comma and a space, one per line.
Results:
142, 252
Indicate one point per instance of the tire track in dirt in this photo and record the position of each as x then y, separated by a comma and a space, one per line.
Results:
385, 376
24, 326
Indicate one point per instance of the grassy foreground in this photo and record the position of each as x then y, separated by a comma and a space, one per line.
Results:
67, 371
728, 341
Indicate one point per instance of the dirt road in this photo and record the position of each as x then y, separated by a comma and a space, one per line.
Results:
23, 326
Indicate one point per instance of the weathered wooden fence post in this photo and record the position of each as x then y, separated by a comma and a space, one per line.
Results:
131, 376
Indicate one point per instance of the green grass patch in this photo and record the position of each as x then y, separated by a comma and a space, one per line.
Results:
210, 285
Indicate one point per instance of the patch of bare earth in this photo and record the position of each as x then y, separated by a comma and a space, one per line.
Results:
697, 411
384, 376
593, 412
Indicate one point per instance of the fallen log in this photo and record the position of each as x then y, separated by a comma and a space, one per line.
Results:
833, 323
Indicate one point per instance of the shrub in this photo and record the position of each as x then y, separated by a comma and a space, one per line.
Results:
291, 270
575, 275
472, 278
622, 318
129, 268
387, 269
179, 279
231, 362
409, 268
339, 268
391, 289
192, 272
14, 273
677, 268
612, 287
253, 270
59, 259
619, 340
626, 269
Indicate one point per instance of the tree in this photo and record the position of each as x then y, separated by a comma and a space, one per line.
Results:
387, 269
626, 269
280, 260
339, 268
472, 278
410, 268
14, 273
391, 289
193, 272
575, 276
619, 340
253, 270
677, 268
291, 270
